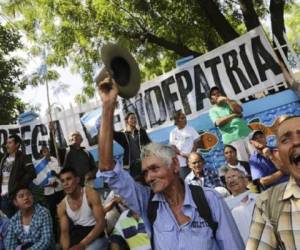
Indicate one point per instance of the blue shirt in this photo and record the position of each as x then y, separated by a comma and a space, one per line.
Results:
40, 232
209, 178
262, 166
4, 222
168, 234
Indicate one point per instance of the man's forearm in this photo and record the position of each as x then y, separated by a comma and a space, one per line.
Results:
235, 107
270, 179
105, 138
94, 234
65, 241
222, 121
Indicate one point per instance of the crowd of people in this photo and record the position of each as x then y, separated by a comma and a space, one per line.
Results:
159, 196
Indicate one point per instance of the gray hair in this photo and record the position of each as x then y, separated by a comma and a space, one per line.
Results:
239, 170
165, 152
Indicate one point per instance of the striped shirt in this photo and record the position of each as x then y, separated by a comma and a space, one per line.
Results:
133, 231
284, 233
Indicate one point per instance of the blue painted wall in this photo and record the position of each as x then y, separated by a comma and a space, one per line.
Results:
266, 109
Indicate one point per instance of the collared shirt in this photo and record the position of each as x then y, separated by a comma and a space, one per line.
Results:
168, 234
40, 231
263, 235
133, 231
209, 179
262, 166
236, 129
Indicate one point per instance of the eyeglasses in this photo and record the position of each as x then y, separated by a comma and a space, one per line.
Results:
233, 178
197, 162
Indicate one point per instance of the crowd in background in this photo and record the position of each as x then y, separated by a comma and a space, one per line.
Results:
158, 196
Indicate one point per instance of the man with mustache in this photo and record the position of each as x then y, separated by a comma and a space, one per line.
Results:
275, 221
177, 223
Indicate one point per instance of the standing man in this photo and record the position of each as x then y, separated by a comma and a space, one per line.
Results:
53, 190
226, 114
263, 170
80, 159
275, 221
184, 140
81, 215
15, 170
132, 140
201, 174
166, 205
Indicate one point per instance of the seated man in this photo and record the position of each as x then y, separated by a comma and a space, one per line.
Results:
230, 154
242, 201
263, 170
201, 175
31, 226
169, 208
80, 214
130, 233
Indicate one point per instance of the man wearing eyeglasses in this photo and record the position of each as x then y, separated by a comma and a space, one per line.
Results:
242, 201
201, 175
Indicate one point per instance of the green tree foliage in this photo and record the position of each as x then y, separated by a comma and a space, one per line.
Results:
293, 23
157, 32
10, 72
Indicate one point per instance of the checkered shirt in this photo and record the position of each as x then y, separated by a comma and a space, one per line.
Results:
286, 235
40, 232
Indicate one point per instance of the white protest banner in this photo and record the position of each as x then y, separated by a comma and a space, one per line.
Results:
240, 68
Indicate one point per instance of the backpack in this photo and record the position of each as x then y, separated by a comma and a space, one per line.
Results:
200, 201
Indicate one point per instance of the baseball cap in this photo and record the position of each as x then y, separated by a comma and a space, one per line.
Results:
252, 135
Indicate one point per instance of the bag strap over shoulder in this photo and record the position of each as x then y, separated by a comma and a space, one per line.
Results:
200, 201
203, 207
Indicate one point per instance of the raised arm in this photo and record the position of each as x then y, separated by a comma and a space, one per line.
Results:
105, 137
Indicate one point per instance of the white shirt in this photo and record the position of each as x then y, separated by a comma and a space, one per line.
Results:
183, 139
242, 215
44, 174
6, 170
53, 166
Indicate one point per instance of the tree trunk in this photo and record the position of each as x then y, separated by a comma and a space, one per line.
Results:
218, 20
250, 16
277, 21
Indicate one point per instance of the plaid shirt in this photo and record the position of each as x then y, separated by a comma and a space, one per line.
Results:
40, 233
209, 178
286, 235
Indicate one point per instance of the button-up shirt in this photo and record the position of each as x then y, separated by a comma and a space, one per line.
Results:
168, 234
209, 179
263, 235
40, 231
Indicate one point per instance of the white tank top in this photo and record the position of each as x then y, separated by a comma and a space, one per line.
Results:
84, 215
